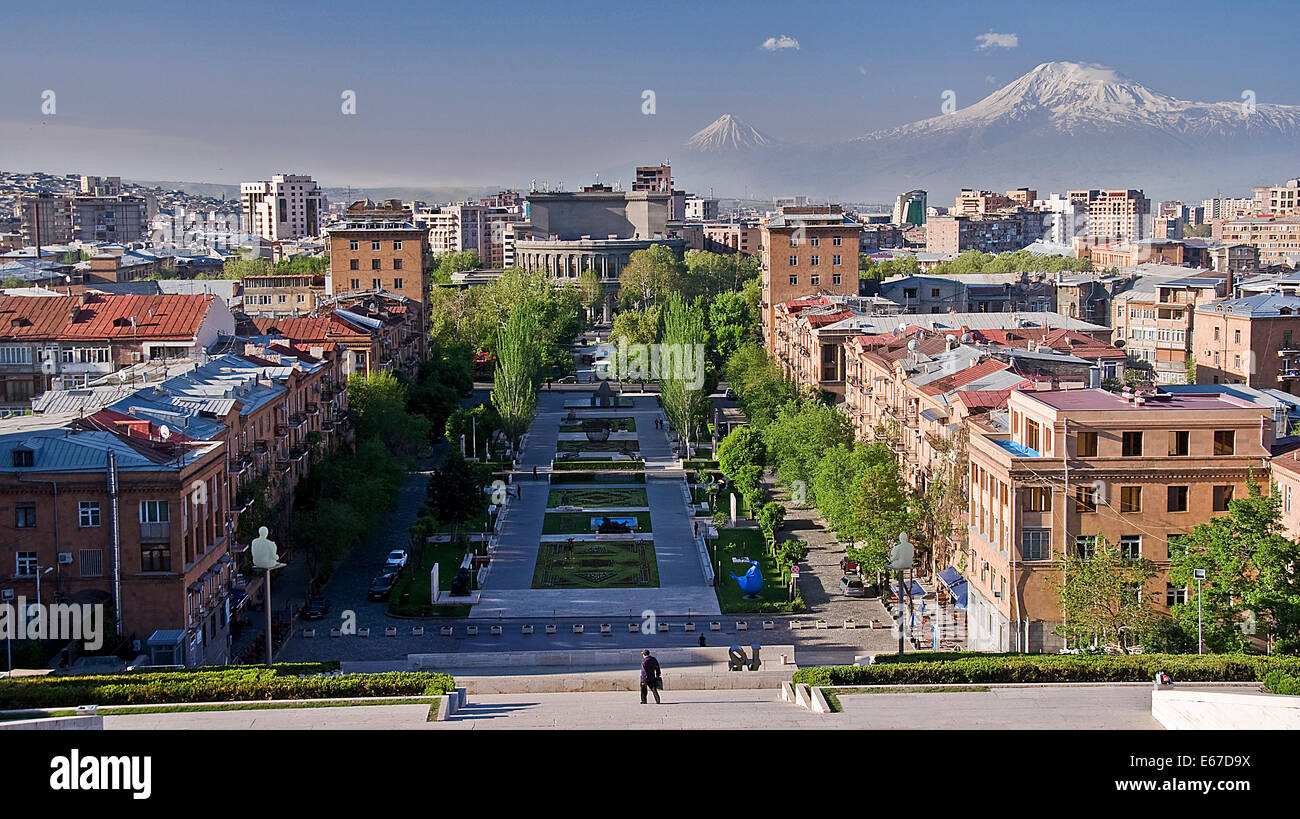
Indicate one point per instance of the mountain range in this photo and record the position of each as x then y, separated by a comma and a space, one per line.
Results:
1063, 125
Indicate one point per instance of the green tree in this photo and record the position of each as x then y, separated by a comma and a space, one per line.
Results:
770, 519
456, 491
732, 322
514, 390
798, 437
380, 401
650, 276
1101, 596
591, 292
743, 448
1251, 584
681, 379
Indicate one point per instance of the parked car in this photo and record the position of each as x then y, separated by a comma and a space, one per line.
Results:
316, 608
849, 567
852, 587
382, 586
730, 394
396, 560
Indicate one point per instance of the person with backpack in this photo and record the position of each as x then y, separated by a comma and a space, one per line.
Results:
651, 677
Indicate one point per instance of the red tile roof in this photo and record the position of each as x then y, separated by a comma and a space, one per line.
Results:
982, 399
973, 373
104, 317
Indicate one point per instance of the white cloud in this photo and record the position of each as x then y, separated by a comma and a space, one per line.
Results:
995, 40
779, 43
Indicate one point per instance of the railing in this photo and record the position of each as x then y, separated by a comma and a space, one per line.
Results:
156, 531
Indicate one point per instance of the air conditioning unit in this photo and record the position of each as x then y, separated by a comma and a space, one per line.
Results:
65, 558
6, 594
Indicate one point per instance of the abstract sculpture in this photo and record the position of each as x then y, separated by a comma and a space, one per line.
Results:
751, 583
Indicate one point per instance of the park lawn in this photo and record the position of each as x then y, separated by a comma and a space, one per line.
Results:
596, 497
579, 523
598, 446
615, 424
736, 543
415, 581
595, 478
597, 565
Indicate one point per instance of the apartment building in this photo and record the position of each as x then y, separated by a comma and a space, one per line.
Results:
1154, 321
1109, 255
1068, 467
1112, 215
910, 208
1276, 200
979, 203
282, 294
289, 206
1229, 208
658, 178
700, 209
807, 251
45, 219
383, 255
1254, 340
733, 237
118, 218
373, 330
1002, 232
62, 342
481, 228
1277, 238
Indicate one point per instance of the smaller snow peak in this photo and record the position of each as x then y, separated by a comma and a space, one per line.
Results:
728, 133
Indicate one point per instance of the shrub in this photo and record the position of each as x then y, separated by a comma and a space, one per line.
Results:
1280, 682
226, 685
1049, 668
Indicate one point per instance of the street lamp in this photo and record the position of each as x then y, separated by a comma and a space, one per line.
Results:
1199, 574
41, 571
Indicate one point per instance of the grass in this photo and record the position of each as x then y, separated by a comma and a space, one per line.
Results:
415, 581
597, 565
593, 464
616, 424
736, 543
597, 498
598, 446
594, 478
579, 523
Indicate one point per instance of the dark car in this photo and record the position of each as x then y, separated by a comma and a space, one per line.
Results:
848, 566
316, 608
382, 586
730, 394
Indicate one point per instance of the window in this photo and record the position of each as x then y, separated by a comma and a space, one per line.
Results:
397, 244
1085, 445
1038, 499
1216, 333
374, 244
397, 284
1177, 499
15, 355
1085, 546
26, 564
1130, 499
1225, 441
155, 558
794, 261
837, 241
1130, 547
815, 260
1132, 444
1236, 336
154, 511
814, 280
836, 278
1031, 435
794, 280
1175, 596
1222, 497
88, 513
1036, 544
374, 264
356, 284
397, 264
815, 241
374, 283
24, 457
794, 242
934, 292
1179, 442
1085, 499
352, 244
25, 515
354, 264
282, 299
92, 562
835, 259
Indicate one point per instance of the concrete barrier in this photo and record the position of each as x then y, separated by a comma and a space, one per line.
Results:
1190, 709
86, 723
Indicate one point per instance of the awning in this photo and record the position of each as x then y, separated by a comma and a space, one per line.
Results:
950, 577
917, 591
959, 594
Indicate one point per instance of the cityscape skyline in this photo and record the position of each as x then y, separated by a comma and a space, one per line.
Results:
567, 123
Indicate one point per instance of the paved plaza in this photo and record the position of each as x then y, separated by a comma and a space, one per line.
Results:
1041, 708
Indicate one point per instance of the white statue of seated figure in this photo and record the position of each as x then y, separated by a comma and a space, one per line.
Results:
266, 555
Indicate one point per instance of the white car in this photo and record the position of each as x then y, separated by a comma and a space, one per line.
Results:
396, 560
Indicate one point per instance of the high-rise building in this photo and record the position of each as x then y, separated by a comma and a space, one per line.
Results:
1277, 200
1223, 208
699, 209
287, 207
909, 208
101, 185
807, 251
117, 218
1112, 215
994, 233
1277, 237
977, 203
657, 178
46, 219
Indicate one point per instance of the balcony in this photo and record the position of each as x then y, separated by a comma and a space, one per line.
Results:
297, 419
156, 532
281, 430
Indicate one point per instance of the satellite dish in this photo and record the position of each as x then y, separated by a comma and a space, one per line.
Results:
913, 346
902, 328
165, 432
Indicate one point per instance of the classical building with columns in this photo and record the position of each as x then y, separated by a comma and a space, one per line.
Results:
561, 259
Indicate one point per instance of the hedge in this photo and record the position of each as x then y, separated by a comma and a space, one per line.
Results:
228, 685
593, 465
1280, 682
1050, 668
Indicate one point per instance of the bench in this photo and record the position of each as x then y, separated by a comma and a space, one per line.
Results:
741, 625
715, 626
577, 628
309, 633
795, 624
550, 629
496, 631
606, 628
363, 632
768, 625
633, 628
690, 626
526, 630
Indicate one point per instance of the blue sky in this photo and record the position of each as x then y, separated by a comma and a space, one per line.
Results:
502, 92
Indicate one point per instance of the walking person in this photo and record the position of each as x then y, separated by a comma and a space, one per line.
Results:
651, 675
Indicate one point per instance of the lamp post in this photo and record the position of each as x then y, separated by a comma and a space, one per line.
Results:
1199, 574
266, 556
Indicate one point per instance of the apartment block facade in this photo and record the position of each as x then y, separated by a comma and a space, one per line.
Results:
289, 206
807, 251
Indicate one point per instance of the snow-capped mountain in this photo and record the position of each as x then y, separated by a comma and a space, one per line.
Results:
1062, 125
728, 133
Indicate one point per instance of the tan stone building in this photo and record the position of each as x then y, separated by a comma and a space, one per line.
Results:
1253, 341
807, 251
